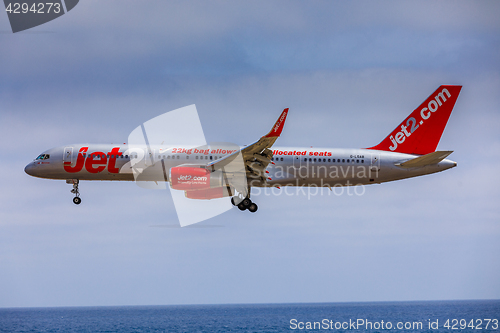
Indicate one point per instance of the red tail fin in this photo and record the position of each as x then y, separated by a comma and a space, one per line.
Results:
420, 132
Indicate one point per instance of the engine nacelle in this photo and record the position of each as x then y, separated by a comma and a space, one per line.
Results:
192, 178
211, 193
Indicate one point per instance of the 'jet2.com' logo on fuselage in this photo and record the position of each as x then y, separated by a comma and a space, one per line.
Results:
26, 14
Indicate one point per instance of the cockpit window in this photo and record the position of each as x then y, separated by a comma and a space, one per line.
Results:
43, 157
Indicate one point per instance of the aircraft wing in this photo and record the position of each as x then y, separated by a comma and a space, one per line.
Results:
256, 157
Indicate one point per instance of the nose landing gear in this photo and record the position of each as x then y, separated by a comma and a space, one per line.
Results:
76, 200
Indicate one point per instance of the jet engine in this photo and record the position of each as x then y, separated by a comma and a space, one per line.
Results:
211, 193
189, 178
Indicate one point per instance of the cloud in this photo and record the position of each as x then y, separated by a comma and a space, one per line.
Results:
349, 74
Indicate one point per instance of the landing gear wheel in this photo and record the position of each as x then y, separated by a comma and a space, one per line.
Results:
74, 190
232, 201
252, 207
241, 206
246, 202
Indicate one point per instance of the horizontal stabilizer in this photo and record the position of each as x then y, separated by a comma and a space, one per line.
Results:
421, 161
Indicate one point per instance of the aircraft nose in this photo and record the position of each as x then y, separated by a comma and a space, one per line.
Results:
30, 169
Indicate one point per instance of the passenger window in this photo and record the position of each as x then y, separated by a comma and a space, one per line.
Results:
211, 157
362, 161
314, 160
196, 158
343, 160
282, 159
178, 156
357, 161
187, 157
328, 160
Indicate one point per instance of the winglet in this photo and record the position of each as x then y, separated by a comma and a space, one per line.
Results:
278, 126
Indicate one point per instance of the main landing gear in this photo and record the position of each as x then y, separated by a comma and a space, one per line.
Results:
244, 204
76, 200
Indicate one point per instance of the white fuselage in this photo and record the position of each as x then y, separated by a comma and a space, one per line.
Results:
293, 166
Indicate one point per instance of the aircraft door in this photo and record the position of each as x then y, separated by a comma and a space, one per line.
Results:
149, 158
68, 155
300, 166
375, 162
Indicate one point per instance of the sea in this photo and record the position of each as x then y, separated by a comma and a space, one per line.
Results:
428, 316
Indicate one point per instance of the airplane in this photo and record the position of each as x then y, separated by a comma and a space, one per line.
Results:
408, 151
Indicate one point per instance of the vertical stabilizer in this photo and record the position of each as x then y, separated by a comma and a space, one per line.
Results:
421, 131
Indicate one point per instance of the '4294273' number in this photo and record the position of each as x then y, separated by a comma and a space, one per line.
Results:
477, 324
36, 8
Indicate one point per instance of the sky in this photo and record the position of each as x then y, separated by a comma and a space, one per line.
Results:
349, 72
